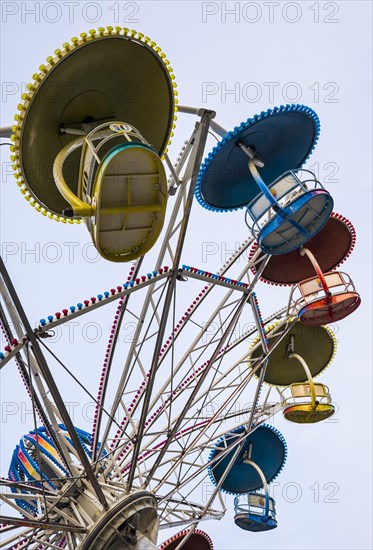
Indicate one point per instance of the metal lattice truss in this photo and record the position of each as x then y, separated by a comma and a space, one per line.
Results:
179, 386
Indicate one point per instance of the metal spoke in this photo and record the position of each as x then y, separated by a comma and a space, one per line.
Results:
204, 126
53, 387
184, 381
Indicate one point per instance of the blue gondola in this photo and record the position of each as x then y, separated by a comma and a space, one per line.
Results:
288, 213
285, 209
242, 464
267, 449
255, 512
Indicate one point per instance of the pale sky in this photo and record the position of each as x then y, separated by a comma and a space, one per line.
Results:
238, 58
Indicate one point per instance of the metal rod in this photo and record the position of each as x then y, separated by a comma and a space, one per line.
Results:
109, 364
218, 129
6, 132
207, 279
251, 154
38, 453
309, 376
305, 252
253, 163
72, 131
97, 304
187, 536
292, 290
192, 396
169, 232
215, 313
23, 486
41, 412
15, 351
172, 169
53, 386
243, 337
224, 475
199, 111
258, 324
204, 127
21, 522
222, 271
183, 156
265, 485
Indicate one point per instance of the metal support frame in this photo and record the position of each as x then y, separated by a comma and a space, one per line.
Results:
109, 364
6, 132
306, 252
45, 525
175, 508
199, 112
249, 462
46, 413
170, 231
204, 127
53, 386
198, 385
294, 355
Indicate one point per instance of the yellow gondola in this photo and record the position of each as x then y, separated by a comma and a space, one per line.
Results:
122, 119
122, 191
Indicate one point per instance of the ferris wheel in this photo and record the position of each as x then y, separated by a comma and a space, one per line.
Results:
165, 418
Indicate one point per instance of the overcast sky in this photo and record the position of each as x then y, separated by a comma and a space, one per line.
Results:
238, 58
